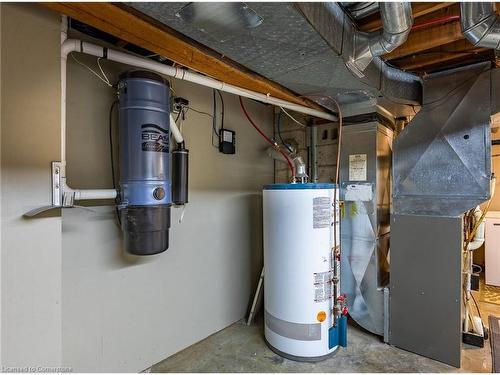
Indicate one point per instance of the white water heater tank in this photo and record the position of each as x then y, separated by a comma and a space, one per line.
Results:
298, 268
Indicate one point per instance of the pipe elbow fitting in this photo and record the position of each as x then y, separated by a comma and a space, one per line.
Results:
397, 21
480, 24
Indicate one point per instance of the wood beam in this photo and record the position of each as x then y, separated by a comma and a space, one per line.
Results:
437, 55
427, 64
418, 10
136, 28
425, 39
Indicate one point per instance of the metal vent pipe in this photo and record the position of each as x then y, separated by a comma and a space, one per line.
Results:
480, 24
397, 20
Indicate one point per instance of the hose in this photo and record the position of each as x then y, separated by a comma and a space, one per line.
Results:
273, 144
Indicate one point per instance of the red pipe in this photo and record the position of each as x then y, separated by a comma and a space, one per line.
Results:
435, 21
276, 147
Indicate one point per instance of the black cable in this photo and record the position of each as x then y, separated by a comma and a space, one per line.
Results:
111, 149
279, 133
200, 112
223, 108
178, 115
214, 117
477, 307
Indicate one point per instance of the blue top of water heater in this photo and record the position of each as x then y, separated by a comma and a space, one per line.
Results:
298, 186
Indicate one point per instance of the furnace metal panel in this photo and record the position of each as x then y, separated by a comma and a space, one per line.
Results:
442, 159
366, 222
426, 279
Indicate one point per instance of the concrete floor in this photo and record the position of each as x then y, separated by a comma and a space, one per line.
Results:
241, 348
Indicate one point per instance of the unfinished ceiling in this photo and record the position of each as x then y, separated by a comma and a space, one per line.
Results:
436, 41
283, 48
278, 50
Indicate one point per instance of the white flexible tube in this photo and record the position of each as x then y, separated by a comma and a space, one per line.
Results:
175, 130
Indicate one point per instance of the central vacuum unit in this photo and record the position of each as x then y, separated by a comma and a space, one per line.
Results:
304, 314
145, 188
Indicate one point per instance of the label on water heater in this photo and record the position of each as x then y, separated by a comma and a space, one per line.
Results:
321, 212
322, 286
154, 138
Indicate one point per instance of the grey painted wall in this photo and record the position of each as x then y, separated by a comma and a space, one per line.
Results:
119, 313
30, 249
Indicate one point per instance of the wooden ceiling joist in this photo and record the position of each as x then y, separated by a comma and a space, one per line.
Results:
418, 10
137, 29
425, 39
447, 52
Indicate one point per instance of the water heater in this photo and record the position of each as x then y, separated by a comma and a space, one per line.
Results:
299, 272
145, 187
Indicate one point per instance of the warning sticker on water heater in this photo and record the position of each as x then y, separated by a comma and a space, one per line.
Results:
357, 167
321, 212
322, 286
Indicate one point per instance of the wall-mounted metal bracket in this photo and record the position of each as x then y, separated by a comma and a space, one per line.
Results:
56, 183
57, 188
64, 197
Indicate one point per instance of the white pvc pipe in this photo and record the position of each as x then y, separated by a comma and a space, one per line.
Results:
73, 45
88, 194
78, 194
175, 130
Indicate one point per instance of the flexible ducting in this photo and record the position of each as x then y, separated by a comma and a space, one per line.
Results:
397, 20
480, 24
361, 51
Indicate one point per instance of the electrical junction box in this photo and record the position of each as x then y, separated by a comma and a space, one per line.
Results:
227, 141
178, 104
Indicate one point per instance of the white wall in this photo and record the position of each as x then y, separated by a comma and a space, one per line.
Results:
119, 313
30, 249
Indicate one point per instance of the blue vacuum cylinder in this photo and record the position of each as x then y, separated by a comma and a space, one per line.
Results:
144, 162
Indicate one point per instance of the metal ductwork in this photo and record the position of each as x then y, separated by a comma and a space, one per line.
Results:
480, 24
360, 10
361, 51
397, 21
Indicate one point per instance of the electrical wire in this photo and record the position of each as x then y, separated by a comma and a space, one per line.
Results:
223, 109
273, 144
477, 307
105, 80
279, 134
111, 148
200, 112
214, 118
293, 118
102, 71
112, 159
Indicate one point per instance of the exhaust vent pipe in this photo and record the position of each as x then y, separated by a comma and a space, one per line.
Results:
397, 20
480, 24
